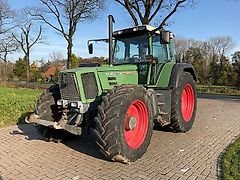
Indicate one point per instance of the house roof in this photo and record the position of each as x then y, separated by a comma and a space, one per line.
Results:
53, 70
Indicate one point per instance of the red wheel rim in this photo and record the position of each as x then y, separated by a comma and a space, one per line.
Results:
187, 105
136, 124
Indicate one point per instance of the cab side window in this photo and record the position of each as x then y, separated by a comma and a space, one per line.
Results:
159, 50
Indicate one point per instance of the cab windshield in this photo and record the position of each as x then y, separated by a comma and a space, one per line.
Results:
131, 50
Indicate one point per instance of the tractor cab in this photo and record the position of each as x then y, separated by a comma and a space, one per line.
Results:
142, 44
144, 47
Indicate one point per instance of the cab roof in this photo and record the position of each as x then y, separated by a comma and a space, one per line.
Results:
138, 30
135, 30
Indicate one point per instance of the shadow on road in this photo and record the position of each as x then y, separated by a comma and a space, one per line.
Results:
85, 143
29, 131
219, 97
163, 129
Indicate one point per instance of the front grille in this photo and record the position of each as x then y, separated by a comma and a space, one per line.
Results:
68, 87
89, 85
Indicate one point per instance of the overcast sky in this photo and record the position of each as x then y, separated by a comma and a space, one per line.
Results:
210, 18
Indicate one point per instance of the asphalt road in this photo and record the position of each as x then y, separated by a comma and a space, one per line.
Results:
218, 97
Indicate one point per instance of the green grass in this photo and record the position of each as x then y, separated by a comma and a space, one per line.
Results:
16, 103
225, 90
231, 162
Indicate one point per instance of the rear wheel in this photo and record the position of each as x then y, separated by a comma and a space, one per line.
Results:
184, 102
124, 123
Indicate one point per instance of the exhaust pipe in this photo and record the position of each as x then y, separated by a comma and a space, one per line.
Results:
110, 25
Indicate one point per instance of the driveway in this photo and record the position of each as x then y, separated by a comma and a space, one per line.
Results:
193, 155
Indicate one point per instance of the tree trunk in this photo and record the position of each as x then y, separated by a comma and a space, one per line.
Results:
145, 21
69, 52
5, 71
27, 66
5, 67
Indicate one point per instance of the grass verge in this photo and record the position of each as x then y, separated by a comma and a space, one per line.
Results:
225, 90
231, 162
16, 103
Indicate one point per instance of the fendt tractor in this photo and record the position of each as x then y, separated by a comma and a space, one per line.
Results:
141, 87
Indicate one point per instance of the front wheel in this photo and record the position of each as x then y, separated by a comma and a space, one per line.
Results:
124, 123
184, 104
47, 109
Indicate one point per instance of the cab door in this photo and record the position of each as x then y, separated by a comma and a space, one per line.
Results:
160, 57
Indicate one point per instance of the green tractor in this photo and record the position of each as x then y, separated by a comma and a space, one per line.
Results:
142, 86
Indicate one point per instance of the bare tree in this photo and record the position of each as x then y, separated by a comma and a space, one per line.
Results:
8, 45
27, 41
7, 23
6, 17
64, 16
144, 11
181, 47
56, 56
221, 45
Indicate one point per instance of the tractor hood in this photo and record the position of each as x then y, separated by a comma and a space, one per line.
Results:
117, 75
102, 68
92, 81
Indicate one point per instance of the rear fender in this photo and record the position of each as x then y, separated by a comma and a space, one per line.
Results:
178, 69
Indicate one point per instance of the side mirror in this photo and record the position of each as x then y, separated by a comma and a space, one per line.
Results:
165, 37
90, 48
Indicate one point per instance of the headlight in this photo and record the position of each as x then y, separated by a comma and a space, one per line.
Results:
60, 103
74, 104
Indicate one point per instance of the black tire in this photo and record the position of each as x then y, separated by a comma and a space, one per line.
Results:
111, 123
47, 109
182, 116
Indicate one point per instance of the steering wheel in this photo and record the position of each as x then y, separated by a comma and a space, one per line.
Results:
135, 56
